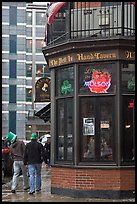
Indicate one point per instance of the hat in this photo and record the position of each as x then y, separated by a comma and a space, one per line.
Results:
11, 136
33, 136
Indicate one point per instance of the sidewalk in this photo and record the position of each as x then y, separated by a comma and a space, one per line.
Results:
45, 194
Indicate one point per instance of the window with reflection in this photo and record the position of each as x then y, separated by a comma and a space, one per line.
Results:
65, 81
13, 15
65, 130
12, 68
12, 94
128, 143
128, 78
28, 70
28, 94
97, 78
29, 17
42, 70
96, 134
39, 70
39, 45
40, 18
13, 44
29, 45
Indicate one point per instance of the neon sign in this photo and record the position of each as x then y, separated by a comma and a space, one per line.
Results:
100, 82
131, 84
66, 88
131, 105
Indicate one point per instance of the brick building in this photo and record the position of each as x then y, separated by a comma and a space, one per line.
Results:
91, 56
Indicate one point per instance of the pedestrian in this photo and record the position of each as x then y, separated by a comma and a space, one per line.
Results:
33, 157
17, 149
47, 147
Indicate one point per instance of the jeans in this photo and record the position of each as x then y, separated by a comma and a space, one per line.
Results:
32, 168
17, 166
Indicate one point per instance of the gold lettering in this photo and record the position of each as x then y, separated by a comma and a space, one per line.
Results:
69, 58
130, 54
62, 60
97, 55
80, 57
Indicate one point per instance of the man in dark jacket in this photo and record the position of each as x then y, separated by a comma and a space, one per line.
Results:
33, 157
17, 149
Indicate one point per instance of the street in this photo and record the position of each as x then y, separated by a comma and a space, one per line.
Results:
45, 194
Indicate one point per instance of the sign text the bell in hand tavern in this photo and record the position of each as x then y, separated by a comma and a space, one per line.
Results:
90, 56
77, 57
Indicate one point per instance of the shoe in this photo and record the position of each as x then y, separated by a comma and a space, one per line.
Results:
31, 193
38, 190
13, 191
25, 189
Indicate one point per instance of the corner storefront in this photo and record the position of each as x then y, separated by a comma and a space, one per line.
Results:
92, 118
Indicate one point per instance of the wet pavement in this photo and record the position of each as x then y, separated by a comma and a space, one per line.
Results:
45, 194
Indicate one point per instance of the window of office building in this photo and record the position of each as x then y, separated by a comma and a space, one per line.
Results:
28, 94
42, 70
13, 15
28, 131
28, 70
39, 45
39, 70
12, 121
12, 69
29, 18
29, 45
12, 93
40, 18
13, 43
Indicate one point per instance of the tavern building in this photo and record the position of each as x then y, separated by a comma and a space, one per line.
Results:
91, 56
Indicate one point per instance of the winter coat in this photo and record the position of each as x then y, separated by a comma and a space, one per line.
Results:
17, 150
34, 153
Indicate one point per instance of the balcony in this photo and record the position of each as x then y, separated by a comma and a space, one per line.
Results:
77, 21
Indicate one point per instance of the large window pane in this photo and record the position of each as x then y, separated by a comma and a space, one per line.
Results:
13, 43
13, 68
39, 45
29, 94
40, 18
12, 121
29, 18
12, 94
97, 78
65, 81
29, 45
65, 130
13, 15
28, 70
128, 78
60, 120
128, 128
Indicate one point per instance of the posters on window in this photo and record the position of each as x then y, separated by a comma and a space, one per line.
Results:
88, 126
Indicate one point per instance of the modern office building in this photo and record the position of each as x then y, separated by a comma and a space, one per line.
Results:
91, 54
23, 68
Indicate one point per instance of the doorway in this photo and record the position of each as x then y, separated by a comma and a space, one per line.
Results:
97, 128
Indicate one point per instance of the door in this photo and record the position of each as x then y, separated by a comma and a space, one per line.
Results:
97, 128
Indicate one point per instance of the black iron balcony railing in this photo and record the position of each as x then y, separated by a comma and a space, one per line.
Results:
88, 20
